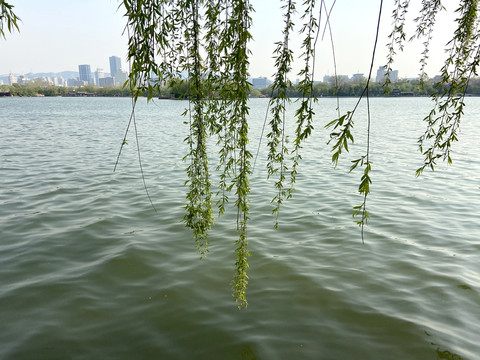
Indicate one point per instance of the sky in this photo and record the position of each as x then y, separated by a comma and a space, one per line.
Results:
59, 35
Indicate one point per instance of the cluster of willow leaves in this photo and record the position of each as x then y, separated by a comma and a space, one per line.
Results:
209, 41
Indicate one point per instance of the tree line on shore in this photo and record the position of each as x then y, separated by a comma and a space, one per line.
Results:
33, 90
180, 90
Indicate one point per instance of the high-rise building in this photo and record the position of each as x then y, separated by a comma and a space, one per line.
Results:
382, 72
99, 74
106, 81
12, 79
85, 74
115, 65
394, 76
120, 78
76, 83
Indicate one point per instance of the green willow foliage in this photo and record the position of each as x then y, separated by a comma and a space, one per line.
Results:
207, 40
463, 56
461, 64
276, 144
342, 134
7, 18
204, 44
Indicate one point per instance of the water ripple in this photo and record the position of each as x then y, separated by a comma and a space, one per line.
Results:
90, 270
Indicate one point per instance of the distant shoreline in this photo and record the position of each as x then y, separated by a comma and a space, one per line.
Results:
90, 95
181, 93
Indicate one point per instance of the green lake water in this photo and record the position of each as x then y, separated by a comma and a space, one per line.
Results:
88, 270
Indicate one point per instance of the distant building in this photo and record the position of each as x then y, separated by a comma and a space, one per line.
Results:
120, 78
48, 80
259, 83
76, 83
59, 81
339, 79
115, 65
99, 74
382, 72
106, 81
394, 76
357, 78
12, 79
85, 74
21, 79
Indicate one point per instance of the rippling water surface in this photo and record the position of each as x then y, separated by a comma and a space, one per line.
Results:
88, 270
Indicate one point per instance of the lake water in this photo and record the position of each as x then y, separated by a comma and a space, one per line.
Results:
88, 270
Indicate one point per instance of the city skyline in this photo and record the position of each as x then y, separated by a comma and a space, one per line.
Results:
84, 76
89, 32
98, 78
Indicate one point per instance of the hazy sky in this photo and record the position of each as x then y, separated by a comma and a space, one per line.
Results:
58, 35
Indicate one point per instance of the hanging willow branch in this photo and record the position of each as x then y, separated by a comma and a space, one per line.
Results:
8, 19
208, 40
277, 149
397, 37
425, 23
342, 134
444, 119
168, 40
305, 112
461, 64
241, 21
199, 213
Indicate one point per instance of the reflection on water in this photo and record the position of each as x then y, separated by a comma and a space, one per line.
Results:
89, 270
444, 354
247, 353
